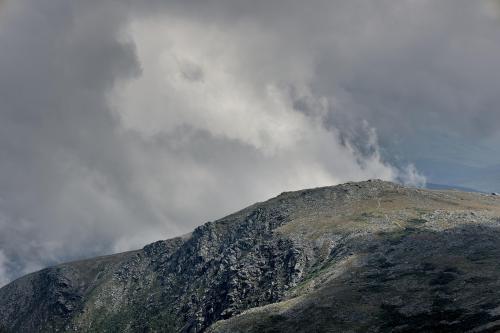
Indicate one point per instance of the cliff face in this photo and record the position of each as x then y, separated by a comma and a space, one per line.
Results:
360, 257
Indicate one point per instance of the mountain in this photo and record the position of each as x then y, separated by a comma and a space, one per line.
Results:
434, 186
460, 176
359, 257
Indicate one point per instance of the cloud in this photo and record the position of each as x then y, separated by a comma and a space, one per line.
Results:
125, 122
63, 169
4, 277
417, 71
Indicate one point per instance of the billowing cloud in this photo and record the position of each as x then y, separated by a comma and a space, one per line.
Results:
125, 122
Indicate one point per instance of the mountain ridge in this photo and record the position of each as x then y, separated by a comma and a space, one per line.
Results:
276, 265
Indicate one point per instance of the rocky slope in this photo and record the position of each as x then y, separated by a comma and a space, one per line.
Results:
360, 257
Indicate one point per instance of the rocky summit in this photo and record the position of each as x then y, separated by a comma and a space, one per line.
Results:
359, 257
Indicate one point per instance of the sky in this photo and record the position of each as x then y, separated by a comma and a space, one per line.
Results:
123, 122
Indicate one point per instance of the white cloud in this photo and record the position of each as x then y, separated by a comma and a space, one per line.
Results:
229, 101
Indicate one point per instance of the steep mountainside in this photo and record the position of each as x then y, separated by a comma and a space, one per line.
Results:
360, 257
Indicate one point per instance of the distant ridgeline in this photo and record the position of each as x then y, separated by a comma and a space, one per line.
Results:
434, 186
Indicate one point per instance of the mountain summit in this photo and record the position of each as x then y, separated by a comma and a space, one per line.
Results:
359, 257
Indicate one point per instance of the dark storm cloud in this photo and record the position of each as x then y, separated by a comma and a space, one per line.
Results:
124, 122
57, 137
